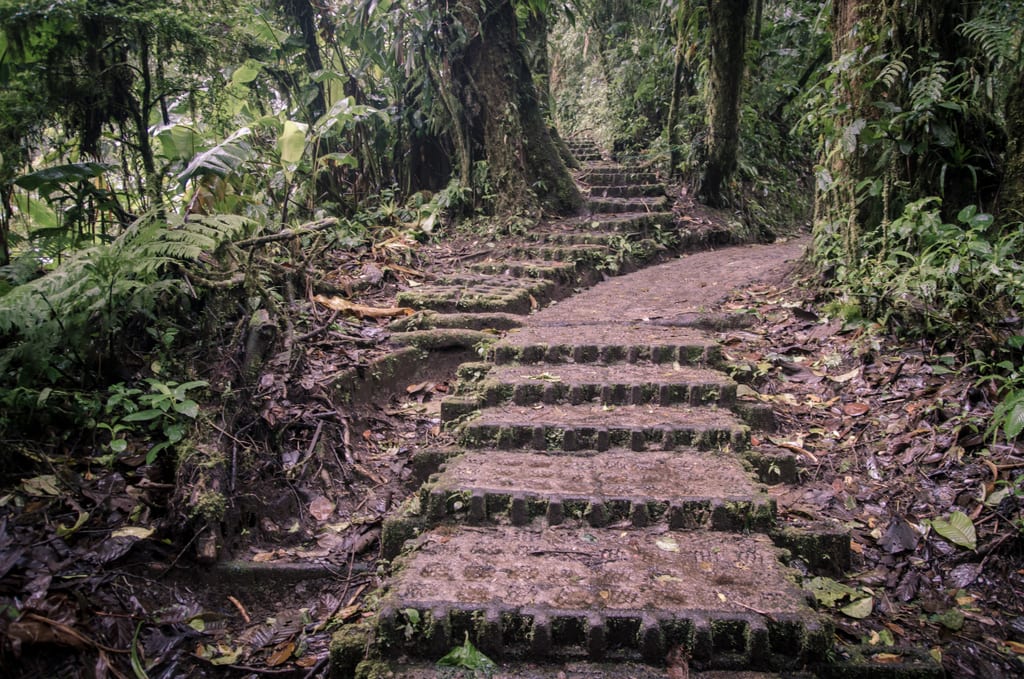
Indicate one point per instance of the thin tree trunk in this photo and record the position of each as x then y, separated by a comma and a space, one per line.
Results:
682, 83
727, 25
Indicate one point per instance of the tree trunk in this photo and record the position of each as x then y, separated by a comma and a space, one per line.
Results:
1011, 193
501, 114
301, 12
682, 86
535, 31
727, 25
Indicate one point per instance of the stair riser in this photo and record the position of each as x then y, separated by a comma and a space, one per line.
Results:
479, 508
555, 438
610, 394
627, 191
724, 643
699, 355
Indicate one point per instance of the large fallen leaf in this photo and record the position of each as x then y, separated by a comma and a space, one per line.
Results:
345, 306
859, 609
958, 529
140, 532
39, 486
828, 592
321, 508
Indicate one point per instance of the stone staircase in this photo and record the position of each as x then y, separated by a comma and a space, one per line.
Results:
602, 514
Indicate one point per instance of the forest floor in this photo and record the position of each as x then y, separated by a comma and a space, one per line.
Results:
96, 578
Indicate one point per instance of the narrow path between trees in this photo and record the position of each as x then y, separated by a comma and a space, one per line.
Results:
604, 512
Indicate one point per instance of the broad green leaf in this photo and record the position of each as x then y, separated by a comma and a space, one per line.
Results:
468, 657
292, 142
859, 609
247, 72
37, 211
958, 529
828, 592
51, 178
178, 142
188, 408
144, 415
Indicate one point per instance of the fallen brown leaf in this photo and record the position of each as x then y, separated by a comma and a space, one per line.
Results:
363, 311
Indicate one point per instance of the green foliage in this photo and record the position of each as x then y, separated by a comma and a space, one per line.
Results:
62, 328
467, 656
165, 412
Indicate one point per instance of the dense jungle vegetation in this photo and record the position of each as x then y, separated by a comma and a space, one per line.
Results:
176, 174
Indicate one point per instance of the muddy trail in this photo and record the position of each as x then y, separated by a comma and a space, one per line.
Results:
546, 470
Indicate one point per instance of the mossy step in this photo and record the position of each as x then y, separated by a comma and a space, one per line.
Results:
429, 320
682, 490
593, 593
629, 384
441, 338
624, 205
626, 190
611, 343
596, 427
621, 176
559, 253
521, 670
627, 222
560, 272
478, 294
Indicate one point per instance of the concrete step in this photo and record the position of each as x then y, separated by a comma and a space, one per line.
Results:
478, 294
617, 175
558, 253
682, 489
592, 593
607, 344
619, 384
430, 320
624, 205
561, 272
596, 427
626, 190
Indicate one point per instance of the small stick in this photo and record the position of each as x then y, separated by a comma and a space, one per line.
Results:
241, 609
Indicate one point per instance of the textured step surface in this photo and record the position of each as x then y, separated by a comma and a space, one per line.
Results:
596, 427
594, 593
477, 293
684, 489
606, 343
619, 384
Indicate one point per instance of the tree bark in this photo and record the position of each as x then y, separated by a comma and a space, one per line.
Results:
1010, 205
502, 116
727, 24
682, 85
301, 12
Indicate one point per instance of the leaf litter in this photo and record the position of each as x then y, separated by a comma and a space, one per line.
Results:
891, 443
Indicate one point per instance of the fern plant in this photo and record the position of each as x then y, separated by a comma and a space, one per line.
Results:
62, 327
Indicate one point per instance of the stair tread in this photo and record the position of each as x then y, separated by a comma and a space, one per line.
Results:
594, 415
619, 474
578, 374
593, 572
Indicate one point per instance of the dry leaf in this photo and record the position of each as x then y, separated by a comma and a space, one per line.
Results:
856, 409
339, 304
321, 508
887, 658
281, 654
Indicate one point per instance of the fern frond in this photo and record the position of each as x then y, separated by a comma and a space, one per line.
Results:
993, 35
893, 72
929, 88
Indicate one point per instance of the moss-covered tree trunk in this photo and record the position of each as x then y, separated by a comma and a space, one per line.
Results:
728, 22
535, 32
868, 177
500, 112
1011, 193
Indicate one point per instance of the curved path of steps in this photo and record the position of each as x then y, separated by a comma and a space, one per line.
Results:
601, 515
